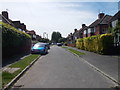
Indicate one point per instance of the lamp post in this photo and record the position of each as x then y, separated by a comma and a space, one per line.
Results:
45, 34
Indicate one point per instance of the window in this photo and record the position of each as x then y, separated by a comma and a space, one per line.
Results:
104, 30
89, 30
92, 30
114, 23
85, 32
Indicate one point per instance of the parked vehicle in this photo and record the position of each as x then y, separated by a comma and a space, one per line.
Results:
48, 45
59, 44
41, 48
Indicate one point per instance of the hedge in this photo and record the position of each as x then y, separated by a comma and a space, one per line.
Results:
14, 41
102, 44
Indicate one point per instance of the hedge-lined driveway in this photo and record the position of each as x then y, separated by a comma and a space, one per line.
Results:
62, 69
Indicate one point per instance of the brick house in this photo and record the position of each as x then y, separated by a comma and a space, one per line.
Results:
114, 20
70, 38
19, 26
100, 26
16, 24
83, 31
5, 18
32, 34
76, 35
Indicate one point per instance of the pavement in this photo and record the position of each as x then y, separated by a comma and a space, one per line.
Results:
61, 69
106, 63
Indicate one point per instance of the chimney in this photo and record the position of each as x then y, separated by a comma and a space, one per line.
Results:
75, 30
5, 14
83, 25
101, 15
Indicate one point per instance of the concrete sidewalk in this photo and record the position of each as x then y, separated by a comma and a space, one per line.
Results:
106, 63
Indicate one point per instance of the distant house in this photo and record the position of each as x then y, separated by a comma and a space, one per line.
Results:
83, 31
70, 38
75, 35
32, 34
113, 22
100, 26
19, 26
38, 37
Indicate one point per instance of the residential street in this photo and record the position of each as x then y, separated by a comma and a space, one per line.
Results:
106, 63
61, 69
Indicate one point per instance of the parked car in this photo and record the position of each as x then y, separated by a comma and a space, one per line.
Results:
41, 48
59, 44
48, 45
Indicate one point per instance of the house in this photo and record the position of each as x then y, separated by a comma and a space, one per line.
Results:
38, 37
75, 35
99, 26
32, 34
113, 22
20, 26
16, 24
115, 19
70, 38
5, 18
83, 31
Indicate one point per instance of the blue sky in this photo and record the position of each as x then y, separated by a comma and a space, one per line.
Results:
63, 16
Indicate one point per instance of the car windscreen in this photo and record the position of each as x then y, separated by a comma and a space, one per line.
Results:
39, 45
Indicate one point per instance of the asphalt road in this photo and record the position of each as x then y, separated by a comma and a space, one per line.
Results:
61, 69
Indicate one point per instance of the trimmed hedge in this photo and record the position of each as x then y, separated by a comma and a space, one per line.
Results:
102, 44
14, 41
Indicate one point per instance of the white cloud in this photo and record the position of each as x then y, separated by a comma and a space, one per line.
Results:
49, 17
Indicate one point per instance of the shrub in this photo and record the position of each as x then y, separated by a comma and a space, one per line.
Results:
107, 43
79, 43
102, 44
14, 41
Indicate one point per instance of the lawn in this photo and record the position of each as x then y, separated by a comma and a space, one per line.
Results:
22, 64
73, 51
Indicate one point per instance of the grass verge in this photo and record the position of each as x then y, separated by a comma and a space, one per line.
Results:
73, 51
22, 64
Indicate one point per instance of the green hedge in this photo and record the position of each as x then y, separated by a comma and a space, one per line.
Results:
14, 41
102, 44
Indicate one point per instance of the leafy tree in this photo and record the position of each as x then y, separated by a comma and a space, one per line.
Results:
44, 40
62, 40
56, 36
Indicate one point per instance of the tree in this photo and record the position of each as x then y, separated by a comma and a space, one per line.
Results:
44, 40
62, 40
56, 36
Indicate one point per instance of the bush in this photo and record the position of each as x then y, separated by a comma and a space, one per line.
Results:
14, 41
102, 44
80, 44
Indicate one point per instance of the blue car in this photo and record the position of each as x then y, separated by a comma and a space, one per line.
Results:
39, 48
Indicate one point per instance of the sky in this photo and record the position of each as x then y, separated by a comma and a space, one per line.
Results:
57, 15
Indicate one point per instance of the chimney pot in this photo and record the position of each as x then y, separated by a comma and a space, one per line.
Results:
101, 15
5, 14
83, 25
75, 30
